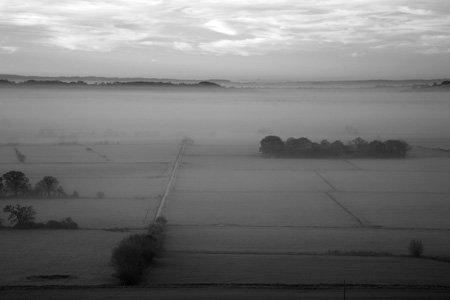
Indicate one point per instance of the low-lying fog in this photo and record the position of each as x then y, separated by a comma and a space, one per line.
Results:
47, 114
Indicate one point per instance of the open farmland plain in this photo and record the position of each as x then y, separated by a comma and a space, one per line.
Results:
236, 217
132, 179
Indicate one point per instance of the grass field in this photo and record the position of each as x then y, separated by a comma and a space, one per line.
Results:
292, 269
229, 210
256, 209
234, 216
82, 254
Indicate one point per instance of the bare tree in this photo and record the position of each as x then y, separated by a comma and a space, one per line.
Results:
20, 214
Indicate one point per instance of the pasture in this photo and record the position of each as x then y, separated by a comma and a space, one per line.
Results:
234, 216
228, 202
132, 185
226, 199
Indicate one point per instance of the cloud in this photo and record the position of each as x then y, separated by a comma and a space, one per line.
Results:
229, 27
8, 49
408, 10
220, 26
358, 54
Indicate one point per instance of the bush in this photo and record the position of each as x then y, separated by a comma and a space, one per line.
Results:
128, 263
29, 225
136, 252
415, 248
161, 219
131, 256
66, 223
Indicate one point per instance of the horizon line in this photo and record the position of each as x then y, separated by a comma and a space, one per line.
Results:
226, 79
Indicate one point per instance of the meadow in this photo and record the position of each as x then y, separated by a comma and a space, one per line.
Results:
232, 213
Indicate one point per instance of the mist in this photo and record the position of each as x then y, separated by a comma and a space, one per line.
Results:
42, 115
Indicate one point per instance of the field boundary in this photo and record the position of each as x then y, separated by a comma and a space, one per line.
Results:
345, 209
326, 180
170, 182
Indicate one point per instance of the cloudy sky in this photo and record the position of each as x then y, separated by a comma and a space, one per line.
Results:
234, 39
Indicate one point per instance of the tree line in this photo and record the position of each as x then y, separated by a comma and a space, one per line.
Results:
273, 145
32, 82
16, 184
22, 217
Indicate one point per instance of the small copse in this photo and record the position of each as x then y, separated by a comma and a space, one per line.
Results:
303, 147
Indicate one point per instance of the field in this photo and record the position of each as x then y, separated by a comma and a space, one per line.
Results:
234, 216
132, 178
231, 210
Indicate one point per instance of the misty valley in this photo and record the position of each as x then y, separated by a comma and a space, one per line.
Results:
183, 186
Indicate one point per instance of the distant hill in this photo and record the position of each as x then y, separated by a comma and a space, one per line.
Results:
100, 79
151, 84
168, 82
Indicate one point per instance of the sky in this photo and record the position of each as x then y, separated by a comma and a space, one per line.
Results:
286, 40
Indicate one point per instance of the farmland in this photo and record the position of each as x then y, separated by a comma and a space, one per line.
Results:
234, 216
232, 212
231, 207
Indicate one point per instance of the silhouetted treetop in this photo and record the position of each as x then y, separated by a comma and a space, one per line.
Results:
303, 147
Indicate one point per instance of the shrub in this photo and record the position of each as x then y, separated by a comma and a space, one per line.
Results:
66, 223
128, 263
415, 248
136, 252
29, 225
100, 195
161, 219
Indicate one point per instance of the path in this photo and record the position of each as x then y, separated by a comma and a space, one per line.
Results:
169, 185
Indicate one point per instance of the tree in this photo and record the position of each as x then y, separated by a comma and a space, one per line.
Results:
298, 146
376, 148
272, 145
1, 186
361, 145
16, 183
396, 148
48, 185
337, 148
20, 214
325, 144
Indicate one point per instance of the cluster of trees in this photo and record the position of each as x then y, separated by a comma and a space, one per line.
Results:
303, 147
17, 184
22, 217
135, 253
